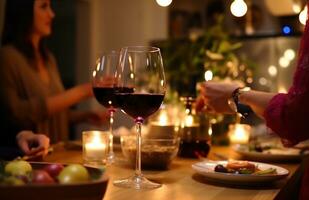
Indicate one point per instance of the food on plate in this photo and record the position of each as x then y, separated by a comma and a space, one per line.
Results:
236, 165
275, 149
266, 171
243, 167
20, 172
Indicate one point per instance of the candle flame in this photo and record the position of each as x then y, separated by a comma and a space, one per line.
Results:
189, 120
240, 134
282, 89
210, 131
96, 138
163, 119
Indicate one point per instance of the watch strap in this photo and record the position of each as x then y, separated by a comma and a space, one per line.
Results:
243, 109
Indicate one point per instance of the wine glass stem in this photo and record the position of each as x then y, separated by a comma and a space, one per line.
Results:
138, 171
111, 121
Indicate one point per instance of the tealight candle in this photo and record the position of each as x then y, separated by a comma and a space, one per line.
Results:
163, 127
189, 128
95, 147
239, 133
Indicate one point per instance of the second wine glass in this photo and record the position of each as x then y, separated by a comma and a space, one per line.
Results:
141, 69
104, 88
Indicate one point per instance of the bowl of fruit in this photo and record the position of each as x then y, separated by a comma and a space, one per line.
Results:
20, 179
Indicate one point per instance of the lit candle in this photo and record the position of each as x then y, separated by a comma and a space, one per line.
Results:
95, 150
189, 122
95, 146
163, 127
239, 133
189, 128
163, 119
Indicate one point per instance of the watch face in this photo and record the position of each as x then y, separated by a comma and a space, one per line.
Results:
232, 104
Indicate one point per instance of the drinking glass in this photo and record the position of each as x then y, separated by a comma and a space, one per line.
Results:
141, 72
104, 88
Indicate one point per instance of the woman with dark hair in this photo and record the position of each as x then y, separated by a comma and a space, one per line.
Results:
32, 92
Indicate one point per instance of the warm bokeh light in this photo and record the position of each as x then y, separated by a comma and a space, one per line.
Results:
272, 70
210, 130
249, 80
239, 133
289, 54
208, 75
282, 89
163, 118
284, 62
263, 81
239, 8
189, 120
303, 16
164, 3
296, 8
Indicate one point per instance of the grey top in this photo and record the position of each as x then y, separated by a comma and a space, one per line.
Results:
25, 93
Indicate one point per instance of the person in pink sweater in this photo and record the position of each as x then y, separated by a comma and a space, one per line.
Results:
286, 114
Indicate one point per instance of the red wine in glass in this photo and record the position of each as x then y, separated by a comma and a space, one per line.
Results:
194, 148
142, 69
139, 105
104, 89
106, 96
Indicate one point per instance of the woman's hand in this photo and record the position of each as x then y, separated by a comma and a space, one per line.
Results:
33, 144
214, 96
86, 90
97, 118
70, 97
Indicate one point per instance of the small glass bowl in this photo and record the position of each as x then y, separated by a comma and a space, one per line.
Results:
156, 154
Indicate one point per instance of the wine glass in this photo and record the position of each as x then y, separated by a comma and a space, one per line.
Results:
141, 72
104, 88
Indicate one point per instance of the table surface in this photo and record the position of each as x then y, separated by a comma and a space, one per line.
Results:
179, 182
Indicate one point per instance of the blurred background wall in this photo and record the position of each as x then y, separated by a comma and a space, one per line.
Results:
83, 28
2, 4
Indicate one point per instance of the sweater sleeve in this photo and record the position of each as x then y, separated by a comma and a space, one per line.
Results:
25, 111
287, 115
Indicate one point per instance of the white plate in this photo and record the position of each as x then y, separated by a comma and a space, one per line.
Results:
272, 155
206, 168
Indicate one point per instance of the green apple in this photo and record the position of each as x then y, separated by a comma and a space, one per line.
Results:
74, 173
18, 167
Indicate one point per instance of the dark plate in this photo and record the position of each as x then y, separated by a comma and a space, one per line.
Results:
92, 190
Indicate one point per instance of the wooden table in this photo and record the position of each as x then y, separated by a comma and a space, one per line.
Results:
180, 182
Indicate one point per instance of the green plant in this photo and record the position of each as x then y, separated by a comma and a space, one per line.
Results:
187, 60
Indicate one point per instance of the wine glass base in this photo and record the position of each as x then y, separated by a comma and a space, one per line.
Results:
136, 182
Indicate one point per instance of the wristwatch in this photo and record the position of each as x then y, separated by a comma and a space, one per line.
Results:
234, 104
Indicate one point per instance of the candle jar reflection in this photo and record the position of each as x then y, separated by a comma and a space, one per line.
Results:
95, 147
195, 139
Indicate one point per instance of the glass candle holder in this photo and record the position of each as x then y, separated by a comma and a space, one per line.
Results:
95, 147
239, 133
